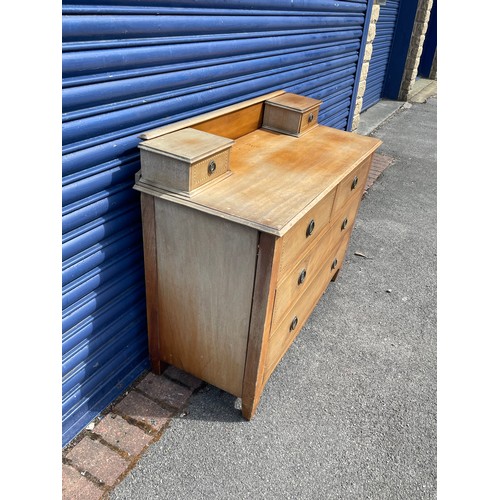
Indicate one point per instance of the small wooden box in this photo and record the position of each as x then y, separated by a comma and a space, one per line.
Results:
291, 114
185, 161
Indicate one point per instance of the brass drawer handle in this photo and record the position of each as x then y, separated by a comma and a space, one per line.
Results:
293, 325
354, 182
310, 228
211, 167
334, 264
302, 276
344, 224
311, 117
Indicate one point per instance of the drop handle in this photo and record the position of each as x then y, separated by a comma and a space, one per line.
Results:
211, 167
310, 118
344, 223
310, 228
293, 324
302, 276
334, 264
354, 182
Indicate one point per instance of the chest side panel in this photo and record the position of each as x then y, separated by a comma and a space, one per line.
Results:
206, 268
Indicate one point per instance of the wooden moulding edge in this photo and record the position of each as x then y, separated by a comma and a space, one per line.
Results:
266, 275
143, 187
151, 279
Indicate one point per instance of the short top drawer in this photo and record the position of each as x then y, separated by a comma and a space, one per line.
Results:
305, 231
353, 184
309, 120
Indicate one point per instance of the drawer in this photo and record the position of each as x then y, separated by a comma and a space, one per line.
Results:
344, 219
352, 185
304, 232
308, 120
301, 274
338, 254
209, 169
285, 332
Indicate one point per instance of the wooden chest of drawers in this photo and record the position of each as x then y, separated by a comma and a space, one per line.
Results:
234, 271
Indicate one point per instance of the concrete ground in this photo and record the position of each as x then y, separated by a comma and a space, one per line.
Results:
422, 89
371, 118
377, 114
350, 411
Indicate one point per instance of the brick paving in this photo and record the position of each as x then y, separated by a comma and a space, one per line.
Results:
183, 377
96, 458
76, 486
142, 410
379, 164
101, 456
124, 436
160, 388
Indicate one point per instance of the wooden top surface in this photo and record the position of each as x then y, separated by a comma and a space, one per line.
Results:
295, 101
277, 178
187, 144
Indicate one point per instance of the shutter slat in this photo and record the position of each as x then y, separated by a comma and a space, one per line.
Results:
381, 52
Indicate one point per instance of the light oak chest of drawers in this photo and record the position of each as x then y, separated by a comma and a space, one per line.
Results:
233, 272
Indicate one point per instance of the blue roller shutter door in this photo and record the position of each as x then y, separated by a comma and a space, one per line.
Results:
430, 44
129, 66
381, 52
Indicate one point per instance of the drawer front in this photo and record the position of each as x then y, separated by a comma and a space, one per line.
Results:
344, 219
208, 169
352, 185
338, 254
302, 274
285, 332
307, 229
309, 120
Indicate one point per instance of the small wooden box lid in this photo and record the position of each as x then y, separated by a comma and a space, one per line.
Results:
295, 102
189, 145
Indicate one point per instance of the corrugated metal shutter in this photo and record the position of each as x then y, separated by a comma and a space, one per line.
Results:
129, 66
381, 52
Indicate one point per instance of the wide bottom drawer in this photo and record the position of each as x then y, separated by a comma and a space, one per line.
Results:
283, 334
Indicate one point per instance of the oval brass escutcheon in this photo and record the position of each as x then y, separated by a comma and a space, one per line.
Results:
354, 182
311, 117
302, 276
310, 228
293, 324
344, 223
211, 167
334, 264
